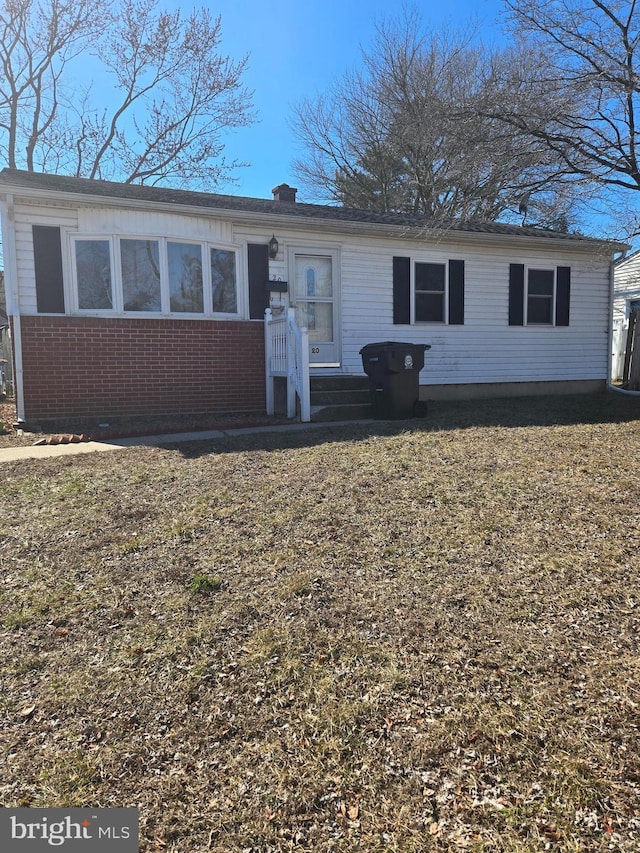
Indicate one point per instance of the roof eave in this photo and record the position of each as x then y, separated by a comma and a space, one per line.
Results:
303, 222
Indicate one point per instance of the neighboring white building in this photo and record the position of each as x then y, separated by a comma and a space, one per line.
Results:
626, 299
145, 300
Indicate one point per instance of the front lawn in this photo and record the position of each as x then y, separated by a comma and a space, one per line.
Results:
398, 637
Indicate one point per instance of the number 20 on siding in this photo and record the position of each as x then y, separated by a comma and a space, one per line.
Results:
315, 350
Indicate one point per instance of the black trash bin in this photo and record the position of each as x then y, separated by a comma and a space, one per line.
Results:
394, 369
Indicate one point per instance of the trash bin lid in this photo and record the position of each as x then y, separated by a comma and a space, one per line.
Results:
390, 345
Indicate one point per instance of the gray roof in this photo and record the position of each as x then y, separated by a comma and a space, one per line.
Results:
16, 178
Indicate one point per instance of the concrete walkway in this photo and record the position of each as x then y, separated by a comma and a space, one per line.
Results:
43, 451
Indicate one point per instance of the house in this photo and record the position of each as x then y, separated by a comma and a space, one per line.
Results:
5, 343
626, 303
135, 300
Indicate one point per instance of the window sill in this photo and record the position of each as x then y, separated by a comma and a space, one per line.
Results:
151, 315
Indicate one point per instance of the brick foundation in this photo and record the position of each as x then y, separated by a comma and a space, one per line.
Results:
84, 368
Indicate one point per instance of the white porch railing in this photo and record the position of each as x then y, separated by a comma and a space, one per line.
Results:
287, 354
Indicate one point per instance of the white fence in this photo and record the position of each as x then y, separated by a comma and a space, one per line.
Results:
287, 354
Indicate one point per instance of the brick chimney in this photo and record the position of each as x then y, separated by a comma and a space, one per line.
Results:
283, 192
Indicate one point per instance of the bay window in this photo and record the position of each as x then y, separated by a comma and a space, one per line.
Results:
154, 276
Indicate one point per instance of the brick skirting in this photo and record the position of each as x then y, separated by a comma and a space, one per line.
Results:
84, 368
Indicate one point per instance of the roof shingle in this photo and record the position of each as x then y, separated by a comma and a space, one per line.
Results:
17, 178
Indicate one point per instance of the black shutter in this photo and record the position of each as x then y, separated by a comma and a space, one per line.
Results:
401, 291
258, 275
516, 294
456, 293
47, 255
563, 289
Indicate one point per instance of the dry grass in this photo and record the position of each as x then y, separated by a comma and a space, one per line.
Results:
392, 638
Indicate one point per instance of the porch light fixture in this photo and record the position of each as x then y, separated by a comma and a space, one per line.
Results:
273, 247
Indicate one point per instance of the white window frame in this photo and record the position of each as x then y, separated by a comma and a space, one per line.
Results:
115, 289
164, 278
445, 294
240, 302
163, 274
114, 241
554, 273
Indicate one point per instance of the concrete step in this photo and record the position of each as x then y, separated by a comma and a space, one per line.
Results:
338, 383
341, 390
344, 412
340, 398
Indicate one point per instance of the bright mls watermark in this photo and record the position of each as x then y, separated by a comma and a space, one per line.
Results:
70, 830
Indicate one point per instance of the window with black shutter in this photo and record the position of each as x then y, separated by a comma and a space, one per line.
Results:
539, 296
428, 291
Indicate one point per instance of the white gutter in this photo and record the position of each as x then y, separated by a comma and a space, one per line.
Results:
610, 385
13, 299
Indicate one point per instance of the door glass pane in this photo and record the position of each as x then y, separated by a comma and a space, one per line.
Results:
313, 277
140, 261
185, 277
318, 319
223, 281
93, 268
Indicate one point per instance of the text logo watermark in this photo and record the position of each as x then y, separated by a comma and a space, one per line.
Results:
69, 830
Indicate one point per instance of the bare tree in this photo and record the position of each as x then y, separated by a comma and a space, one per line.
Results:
164, 100
406, 132
579, 96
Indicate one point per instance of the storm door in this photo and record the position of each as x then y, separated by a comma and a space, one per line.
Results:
314, 297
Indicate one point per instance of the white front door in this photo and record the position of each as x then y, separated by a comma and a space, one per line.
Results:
314, 297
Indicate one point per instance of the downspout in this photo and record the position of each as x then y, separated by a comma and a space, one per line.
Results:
610, 385
13, 299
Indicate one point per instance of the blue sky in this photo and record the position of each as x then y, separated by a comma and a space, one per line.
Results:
297, 47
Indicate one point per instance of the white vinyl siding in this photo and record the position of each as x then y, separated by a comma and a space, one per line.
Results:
626, 287
484, 350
